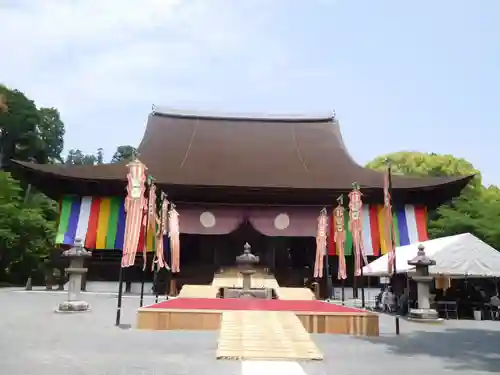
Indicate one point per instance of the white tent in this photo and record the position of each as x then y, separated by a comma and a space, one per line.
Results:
462, 255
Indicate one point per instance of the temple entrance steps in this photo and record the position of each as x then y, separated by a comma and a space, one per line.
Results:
264, 335
302, 294
227, 281
198, 291
231, 280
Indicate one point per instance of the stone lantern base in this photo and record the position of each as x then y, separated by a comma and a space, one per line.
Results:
73, 307
424, 316
75, 271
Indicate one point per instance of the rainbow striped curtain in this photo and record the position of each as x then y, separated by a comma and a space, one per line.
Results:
410, 223
98, 221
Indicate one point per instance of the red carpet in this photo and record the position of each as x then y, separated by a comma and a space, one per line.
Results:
252, 304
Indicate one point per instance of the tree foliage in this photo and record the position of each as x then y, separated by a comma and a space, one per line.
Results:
3, 103
51, 135
426, 165
27, 230
18, 127
77, 157
26, 132
28, 218
27, 223
100, 156
124, 153
423, 164
476, 210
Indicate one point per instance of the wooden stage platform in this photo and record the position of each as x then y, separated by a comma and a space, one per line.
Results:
206, 314
198, 308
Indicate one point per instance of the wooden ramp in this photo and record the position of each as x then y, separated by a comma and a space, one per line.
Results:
298, 294
265, 335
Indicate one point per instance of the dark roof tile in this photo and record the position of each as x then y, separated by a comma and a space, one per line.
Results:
241, 151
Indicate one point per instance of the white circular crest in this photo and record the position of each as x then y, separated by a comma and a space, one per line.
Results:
207, 219
282, 221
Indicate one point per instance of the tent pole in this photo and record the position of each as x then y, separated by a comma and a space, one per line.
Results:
120, 296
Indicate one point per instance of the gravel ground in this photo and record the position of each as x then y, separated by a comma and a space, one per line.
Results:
35, 340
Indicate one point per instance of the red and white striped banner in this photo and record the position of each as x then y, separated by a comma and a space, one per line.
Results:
135, 204
321, 243
173, 232
160, 233
339, 238
356, 228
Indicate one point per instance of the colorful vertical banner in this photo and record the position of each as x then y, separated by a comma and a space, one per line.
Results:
98, 221
321, 243
339, 237
410, 226
356, 228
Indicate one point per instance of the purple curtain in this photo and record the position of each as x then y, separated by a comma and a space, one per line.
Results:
287, 222
210, 220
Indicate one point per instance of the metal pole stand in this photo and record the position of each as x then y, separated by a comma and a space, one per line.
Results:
120, 296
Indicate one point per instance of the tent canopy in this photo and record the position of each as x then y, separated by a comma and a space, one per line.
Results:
462, 255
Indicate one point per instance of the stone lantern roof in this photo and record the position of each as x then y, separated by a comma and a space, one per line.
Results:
421, 260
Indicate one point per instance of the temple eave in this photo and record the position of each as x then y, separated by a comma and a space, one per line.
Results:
54, 185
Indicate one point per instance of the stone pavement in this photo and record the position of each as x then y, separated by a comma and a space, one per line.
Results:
36, 341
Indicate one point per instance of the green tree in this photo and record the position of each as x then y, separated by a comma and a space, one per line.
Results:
51, 134
490, 212
18, 127
27, 231
100, 156
3, 104
28, 133
77, 157
27, 218
474, 211
124, 153
425, 164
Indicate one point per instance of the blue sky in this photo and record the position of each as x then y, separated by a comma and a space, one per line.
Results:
401, 75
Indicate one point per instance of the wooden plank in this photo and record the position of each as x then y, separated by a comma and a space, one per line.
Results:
301, 294
198, 291
269, 335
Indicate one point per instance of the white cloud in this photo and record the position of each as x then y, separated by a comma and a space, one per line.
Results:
87, 57
103, 63
78, 42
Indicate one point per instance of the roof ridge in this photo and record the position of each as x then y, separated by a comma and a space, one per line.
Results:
208, 114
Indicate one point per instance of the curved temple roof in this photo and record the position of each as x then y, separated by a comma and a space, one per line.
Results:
293, 152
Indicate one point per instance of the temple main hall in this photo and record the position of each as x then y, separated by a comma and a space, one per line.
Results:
236, 179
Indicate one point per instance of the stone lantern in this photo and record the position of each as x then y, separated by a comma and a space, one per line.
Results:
246, 263
421, 276
75, 271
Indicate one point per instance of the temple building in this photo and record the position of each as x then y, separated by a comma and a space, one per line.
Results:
237, 179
